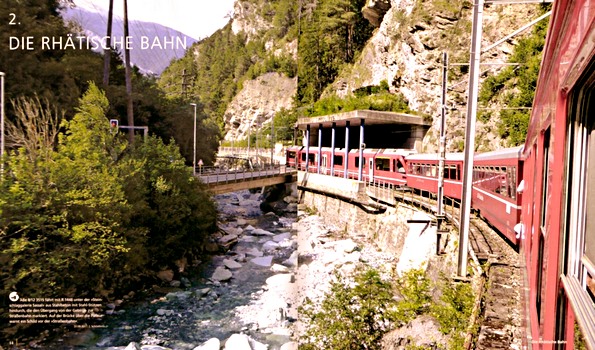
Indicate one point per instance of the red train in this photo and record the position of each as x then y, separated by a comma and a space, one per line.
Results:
496, 176
558, 211
554, 171
380, 165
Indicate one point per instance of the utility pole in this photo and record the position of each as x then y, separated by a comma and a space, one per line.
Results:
440, 212
130, 112
107, 52
2, 123
194, 143
474, 71
272, 141
465, 220
184, 83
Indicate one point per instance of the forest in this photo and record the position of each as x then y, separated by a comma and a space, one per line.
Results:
84, 212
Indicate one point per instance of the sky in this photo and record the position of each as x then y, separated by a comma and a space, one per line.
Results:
195, 18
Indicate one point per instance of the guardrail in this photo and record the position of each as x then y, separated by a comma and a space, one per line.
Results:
217, 175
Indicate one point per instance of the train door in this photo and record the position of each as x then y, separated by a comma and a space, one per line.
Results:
324, 163
371, 169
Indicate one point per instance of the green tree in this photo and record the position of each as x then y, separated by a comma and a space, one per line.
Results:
515, 86
350, 317
62, 211
332, 33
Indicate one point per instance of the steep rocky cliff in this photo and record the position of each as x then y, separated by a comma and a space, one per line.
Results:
257, 103
405, 50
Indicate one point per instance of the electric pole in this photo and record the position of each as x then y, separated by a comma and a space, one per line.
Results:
130, 112
107, 52
184, 83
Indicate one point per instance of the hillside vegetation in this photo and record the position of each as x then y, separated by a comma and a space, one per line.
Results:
333, 68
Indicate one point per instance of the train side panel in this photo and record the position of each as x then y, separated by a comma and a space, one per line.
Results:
559, 199
496, 177
422, 173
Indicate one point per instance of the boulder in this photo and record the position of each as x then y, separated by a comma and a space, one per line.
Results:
270, 245
279, 268
228, 241
231, 264
165, 276
237, 342
211, 344
221, 274
261, 232
289, 346
280, 280
281, 237
265, 261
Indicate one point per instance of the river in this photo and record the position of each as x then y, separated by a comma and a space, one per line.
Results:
246, 292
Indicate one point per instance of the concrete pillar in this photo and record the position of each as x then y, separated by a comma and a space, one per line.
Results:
417, 134
346, 148
307, 146
333, 149
318, 159
361, 151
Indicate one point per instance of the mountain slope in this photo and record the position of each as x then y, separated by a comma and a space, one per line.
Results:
153, 46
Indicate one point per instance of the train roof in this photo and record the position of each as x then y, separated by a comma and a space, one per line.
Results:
436, 156
505, 153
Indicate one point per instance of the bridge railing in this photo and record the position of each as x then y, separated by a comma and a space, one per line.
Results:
211, 175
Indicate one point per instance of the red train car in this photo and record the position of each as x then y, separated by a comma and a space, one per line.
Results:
292, 154
558, 211
496, 177
422, 173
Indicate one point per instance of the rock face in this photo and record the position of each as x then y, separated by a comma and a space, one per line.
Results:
374, 11
247, 19
407, 48
257, 103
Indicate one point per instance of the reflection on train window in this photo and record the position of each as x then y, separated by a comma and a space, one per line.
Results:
399, 166
291, 155
579, 227
382, 164
451, 172
591, 286
495, 180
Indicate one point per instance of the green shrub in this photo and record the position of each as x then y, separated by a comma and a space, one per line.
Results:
414, 288
350, 317
454, 310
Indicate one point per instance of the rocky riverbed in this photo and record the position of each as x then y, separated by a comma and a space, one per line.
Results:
247, 296
240, 299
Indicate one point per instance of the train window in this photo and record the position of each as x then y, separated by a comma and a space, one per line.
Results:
579, 210
399, 167
545, 177
382, 164
291, 155
452, 173
511, 181
303, 157
338, 160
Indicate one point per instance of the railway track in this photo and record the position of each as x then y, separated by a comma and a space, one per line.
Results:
499, 322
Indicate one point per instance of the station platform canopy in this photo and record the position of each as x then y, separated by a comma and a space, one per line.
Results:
382, 130
355, 118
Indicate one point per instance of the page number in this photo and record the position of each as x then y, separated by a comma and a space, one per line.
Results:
13, 17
